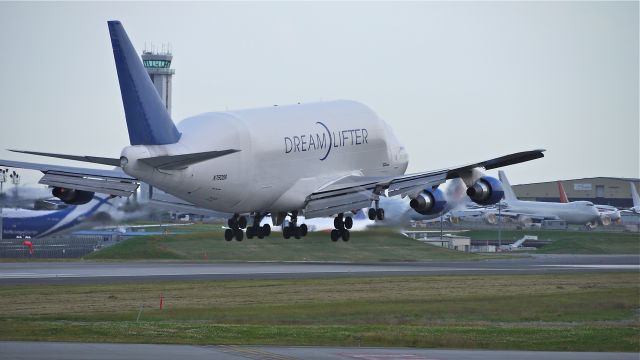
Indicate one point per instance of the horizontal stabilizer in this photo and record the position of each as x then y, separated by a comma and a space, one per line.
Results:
175, 162
90, 159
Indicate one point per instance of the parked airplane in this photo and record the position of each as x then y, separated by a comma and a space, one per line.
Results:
527, 212
316, 160
25, 223
608, 214
636, 200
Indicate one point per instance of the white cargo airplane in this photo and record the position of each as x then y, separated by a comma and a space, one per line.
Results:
315, 160
527, 212
608, 214
636, 201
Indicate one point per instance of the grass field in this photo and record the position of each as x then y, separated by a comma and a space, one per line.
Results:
206, 242
571, 242
577, 312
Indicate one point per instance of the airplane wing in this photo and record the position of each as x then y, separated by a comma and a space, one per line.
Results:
113, 182
356, 192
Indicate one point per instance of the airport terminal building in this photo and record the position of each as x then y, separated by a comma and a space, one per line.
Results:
599, 190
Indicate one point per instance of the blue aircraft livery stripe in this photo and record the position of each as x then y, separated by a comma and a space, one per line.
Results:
50, 222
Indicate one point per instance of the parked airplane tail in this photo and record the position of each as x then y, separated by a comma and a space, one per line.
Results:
148, 121
634, 195
509, 195
563, 194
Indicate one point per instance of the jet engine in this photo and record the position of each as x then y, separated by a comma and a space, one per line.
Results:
72, 196
429, 202
486, 191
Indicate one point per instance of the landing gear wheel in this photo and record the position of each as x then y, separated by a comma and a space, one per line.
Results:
239, 234
338, 223
242, 222
285, 232
345, 235
266, 229
380, 214
296, 232
372, 214
228, 234
348, 222
335, 235
304, 230
260, 232
251, 231
232, 223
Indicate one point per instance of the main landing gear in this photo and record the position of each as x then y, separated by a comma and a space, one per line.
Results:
342, 225
236, 224
293, 230
256, 229
376, 212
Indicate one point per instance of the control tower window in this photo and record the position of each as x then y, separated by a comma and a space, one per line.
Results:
158, 64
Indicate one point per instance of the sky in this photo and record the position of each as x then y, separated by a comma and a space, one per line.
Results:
458, 82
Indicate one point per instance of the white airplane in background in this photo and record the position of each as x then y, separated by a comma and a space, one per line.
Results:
317, 160
527, 212
608, 214
635, 209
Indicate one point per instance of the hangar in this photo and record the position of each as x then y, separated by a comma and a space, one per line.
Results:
599, 190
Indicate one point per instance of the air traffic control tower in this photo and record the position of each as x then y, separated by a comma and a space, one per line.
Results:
158, 65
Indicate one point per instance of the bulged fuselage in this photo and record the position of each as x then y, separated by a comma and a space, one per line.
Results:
285, 153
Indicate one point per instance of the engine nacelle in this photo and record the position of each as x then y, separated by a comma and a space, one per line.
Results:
72, 196
429, 202
486, 191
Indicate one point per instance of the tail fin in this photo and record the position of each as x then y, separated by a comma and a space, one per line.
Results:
148, 121
634, 195
563, 195
509, 195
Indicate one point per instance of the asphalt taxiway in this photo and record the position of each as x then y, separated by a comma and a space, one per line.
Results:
101, 272
88, 351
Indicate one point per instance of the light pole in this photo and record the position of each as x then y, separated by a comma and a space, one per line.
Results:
3, 178
499, 224
15, 180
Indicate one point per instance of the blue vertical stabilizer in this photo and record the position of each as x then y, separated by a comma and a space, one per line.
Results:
148, 121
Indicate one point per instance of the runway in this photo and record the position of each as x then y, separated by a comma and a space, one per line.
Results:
101, 272
87, 351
